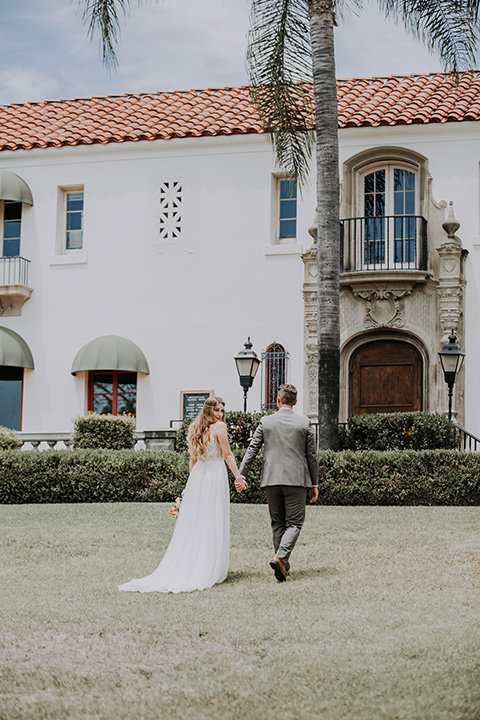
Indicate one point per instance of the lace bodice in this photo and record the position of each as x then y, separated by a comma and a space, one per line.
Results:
213, 450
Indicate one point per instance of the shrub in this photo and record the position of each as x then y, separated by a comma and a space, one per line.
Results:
9, 439
113, 432
409, 477
65, 476
399, 431
240, 428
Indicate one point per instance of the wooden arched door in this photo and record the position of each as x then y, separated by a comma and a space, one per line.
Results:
386, 376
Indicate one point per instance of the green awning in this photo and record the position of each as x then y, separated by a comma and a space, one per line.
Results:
110, 352
14, 351
12, 187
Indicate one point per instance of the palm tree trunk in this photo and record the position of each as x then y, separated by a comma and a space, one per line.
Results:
322, 20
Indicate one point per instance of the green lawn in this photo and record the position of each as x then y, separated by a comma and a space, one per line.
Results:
379, 619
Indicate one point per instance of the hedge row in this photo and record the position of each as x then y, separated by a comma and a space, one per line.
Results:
399, 431
428, 477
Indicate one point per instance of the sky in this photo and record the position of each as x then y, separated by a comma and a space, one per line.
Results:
170, 45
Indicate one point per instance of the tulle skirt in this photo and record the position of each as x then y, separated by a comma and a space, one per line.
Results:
199, 551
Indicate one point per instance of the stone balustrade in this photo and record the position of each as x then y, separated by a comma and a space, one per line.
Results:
145, 440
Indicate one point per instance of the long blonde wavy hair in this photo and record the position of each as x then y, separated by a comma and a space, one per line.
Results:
199, 431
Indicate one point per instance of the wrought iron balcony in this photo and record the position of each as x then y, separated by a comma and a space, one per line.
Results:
385, 242
14, 289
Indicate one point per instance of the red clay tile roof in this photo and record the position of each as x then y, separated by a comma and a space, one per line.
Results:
362, 102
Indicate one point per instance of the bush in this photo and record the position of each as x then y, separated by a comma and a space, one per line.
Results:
65, 476
113, 432
409, 477
399, 431
9, 439
240, 428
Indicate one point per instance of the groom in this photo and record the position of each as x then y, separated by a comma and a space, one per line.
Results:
289, 473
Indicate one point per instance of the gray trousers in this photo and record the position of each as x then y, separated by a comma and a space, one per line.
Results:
286, 504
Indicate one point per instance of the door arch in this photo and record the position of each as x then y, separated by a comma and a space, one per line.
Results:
386, 376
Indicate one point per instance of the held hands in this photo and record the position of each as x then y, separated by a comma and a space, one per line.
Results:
313, 493
240, 484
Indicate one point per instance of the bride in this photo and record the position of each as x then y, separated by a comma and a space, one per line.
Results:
199, 551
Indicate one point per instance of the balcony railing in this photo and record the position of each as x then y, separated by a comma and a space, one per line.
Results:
14, 271
386, 242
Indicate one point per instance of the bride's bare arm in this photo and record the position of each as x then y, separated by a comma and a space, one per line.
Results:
193, 460
220, 432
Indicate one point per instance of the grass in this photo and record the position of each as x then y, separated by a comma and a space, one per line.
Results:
378, 621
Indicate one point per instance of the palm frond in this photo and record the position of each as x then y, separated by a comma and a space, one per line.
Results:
449, 28
103, 16
280, 75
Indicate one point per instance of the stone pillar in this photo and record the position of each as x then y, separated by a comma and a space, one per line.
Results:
451, 300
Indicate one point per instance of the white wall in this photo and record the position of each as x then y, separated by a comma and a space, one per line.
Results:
189, 305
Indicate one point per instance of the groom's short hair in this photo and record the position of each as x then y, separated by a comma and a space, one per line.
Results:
287, 394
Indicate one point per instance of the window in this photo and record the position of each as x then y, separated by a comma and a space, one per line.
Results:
287, 210
11, 228
11, 386
112, 392
274, 369
389, 208
74, 220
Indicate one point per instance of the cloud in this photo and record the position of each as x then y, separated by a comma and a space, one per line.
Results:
367, 45
172, 44
19, 84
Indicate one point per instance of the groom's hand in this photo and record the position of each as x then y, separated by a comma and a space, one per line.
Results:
313, 494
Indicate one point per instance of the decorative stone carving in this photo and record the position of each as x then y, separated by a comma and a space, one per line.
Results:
383, 308
451, 283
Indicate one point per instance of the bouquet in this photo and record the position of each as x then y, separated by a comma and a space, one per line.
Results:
175, 508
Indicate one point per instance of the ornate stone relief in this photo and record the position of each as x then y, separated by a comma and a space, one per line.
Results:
451, 282
383, 308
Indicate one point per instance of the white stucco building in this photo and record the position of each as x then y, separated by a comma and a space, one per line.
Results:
161, 223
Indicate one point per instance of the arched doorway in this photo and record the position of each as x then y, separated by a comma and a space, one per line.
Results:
386, 376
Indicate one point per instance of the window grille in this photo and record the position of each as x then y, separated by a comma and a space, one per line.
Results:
274, 373
170, 226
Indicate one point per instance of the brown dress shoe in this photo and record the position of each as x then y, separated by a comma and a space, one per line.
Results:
279, 569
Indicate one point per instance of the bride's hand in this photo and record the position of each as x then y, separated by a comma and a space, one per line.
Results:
240, 484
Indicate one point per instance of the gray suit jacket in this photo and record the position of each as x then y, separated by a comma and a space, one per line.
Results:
290, 456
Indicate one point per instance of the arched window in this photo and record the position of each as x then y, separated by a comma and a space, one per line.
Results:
274, 369
384, 201
389, 205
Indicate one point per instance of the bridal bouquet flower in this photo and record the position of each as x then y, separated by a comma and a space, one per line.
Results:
175, 508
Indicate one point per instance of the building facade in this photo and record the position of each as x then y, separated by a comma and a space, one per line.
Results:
145, 237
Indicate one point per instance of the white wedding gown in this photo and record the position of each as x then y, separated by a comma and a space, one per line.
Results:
199, 551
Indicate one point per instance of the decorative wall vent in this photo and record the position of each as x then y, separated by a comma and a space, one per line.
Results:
170, 226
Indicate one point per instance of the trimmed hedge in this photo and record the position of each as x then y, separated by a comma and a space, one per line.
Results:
427, 477
408, 477
399, 431
114, 432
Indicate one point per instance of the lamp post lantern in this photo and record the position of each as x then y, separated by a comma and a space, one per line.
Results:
451, 358
247, 364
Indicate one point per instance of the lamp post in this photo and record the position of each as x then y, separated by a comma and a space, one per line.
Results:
247, 364
451, 358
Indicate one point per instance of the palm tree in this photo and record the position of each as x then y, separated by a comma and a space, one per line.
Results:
291, 50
